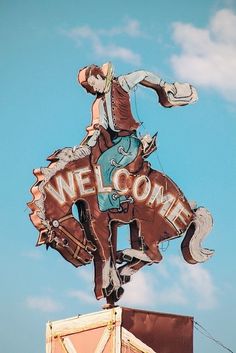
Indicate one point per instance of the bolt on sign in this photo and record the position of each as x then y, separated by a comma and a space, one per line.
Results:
88, 191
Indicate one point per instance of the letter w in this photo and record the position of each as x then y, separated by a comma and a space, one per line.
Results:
62, 187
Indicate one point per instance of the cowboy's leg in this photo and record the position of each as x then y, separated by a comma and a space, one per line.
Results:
108, 200
120, 155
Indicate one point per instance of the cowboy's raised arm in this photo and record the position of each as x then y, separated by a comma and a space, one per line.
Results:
170, 94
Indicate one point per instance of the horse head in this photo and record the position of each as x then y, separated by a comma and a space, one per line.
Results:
57, 226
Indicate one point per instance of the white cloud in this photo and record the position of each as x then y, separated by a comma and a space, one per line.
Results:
117, 52
172, 294
223, 26
162, 270
102, 43
41, 303
130, 27
146, 290
140, 291
172, 282
208, 55
197, 282
85, 274
82, 296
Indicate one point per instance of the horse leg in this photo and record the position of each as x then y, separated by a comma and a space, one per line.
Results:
101, 257
114, 274
129, 269
106, 279
136, 256
136, 243
150, 241
144, 245
144, 250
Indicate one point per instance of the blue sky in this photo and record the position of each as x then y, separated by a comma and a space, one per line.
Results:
43, 45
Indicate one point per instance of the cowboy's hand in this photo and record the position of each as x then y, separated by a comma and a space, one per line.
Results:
169, 87
146, 140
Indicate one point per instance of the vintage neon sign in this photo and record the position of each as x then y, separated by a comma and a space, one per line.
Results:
109, 181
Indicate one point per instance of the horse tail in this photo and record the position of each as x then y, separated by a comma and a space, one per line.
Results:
198, 229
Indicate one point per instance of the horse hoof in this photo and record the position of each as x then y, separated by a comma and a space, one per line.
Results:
119, 257
108, 290
125, 279
116, 294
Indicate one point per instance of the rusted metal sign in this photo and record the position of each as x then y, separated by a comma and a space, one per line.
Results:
110, 182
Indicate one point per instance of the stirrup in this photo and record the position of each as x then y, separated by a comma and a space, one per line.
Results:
125, 279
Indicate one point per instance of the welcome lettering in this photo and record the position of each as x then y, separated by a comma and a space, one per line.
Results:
142, 191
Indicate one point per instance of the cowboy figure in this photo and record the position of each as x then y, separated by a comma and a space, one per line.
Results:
112, 136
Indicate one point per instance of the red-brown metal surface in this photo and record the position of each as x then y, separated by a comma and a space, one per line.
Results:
164, 333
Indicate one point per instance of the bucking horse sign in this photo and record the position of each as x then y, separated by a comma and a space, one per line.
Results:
108, 179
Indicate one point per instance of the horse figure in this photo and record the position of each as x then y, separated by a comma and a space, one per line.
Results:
157, 211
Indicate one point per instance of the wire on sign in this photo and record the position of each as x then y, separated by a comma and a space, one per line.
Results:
204, 332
